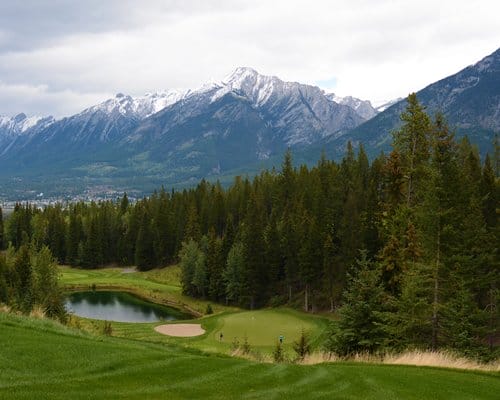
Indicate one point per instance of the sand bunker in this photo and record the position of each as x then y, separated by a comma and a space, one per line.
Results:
180, 330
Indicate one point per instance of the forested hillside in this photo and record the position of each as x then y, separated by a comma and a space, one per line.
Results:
405, 246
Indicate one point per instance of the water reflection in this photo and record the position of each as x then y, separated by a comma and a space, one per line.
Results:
119, 306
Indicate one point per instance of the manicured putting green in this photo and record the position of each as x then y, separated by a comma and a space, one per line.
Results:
264, 327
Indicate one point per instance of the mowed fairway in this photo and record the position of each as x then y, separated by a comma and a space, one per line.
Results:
42, 360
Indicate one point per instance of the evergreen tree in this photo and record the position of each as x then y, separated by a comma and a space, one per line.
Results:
193, 229
254, 276
144, 252
330, 269
412, 143
287, 179
200, 275
2, 244
93, 245
411, 323
215, 266
124, 203
232, 274
23, 280
46, 292
192, 263
74, 236
273, 258
489, 192
362, 324
309, 259
4, 289
439, 215
290, 246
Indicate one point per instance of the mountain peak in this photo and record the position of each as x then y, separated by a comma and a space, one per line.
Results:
20, 117
240, 74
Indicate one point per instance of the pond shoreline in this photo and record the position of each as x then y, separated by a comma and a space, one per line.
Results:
120, 306
139, 294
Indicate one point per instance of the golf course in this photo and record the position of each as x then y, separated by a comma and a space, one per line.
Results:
43, 359
261, 329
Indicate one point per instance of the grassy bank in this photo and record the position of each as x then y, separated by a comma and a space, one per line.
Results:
160, 285
260, 328
43, 360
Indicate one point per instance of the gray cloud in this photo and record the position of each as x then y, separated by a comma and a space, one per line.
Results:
57, 57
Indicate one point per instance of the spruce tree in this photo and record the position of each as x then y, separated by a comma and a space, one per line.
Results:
192, 263
232, 274
144, 251
254, 277
74, 236
2, 244
362, 324
24, 275
412, 143
489, 192
310, 259
193, 229
440, 219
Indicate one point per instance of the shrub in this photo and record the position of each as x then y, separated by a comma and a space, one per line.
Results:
278, 354
302, 346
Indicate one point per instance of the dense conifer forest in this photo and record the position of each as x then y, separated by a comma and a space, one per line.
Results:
404, 248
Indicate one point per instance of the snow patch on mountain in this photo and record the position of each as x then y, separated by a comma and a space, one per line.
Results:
139, 107
363, 107
21, 124
254, 86
385, 104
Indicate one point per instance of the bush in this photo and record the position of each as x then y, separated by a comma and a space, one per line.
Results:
302, 346
278, 354
209, 309
235, 344
245, 347
107, 328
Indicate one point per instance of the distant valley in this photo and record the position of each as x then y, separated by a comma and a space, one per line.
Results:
237, 126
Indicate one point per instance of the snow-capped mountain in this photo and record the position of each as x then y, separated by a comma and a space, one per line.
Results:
20, 123
296, 114
137, 107
243, 119
222, 128
363, 107
13, 128
300, 113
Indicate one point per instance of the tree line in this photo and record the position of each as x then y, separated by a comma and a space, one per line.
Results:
405, 245
29, 281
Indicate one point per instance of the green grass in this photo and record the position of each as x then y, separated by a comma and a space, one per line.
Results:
43, 360
160, 285
262, 328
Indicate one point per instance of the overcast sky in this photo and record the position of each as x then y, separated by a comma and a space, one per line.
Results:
58, 57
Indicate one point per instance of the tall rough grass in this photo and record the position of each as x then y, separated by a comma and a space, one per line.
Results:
416, 357
37, 312
439, 359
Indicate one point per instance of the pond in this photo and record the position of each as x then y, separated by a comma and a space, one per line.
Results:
119, 307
